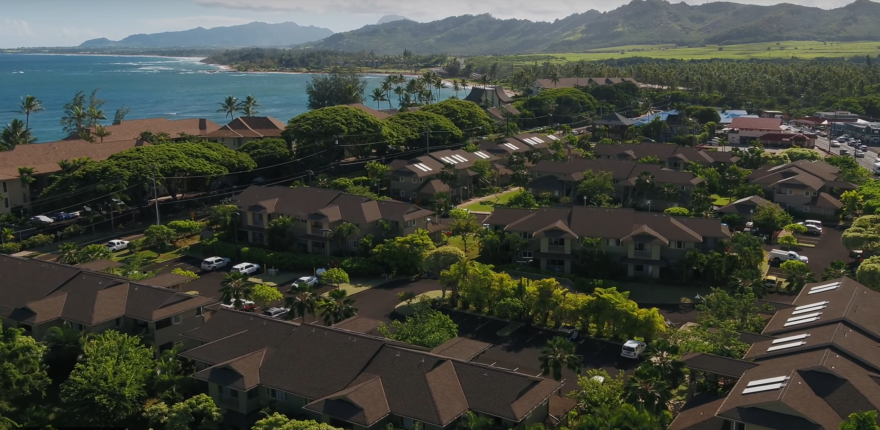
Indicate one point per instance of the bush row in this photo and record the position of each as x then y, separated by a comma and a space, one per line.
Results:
354, 266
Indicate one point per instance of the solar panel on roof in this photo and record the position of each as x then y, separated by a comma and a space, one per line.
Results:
481, 154
817, 287
810, 309
448, 160
799, 322
823, 289
786, 346
811, 305
538, 140
800, 317
460, 158
420, 167
767, 381
511, 146
791, 338
763, 388
552, 137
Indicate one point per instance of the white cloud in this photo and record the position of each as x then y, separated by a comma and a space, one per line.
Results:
428, 10
188, 22
16, 28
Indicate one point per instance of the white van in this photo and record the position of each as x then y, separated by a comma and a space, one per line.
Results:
633, 349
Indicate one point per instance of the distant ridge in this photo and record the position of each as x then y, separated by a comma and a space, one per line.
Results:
391, 18
253, 34
641, 22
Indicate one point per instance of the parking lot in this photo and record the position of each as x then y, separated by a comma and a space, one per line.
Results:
826, 248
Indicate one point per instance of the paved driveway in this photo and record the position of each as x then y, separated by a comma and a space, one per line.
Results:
827, 248
379, 302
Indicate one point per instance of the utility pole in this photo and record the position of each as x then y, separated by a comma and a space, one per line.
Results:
427, 140
156, 197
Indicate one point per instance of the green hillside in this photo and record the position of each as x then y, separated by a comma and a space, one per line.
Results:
641, 22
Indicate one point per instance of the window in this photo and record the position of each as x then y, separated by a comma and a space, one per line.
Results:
407, 423
118, 323
415, 180
739, 426
614, 242
676, 244
175, 319
258, 219
807, 193
525, 235
233, 393
253, 393
684, 187
303, 221
806, 208
402, 193
790, 192
401, 179
556, 241
526, 254
200, 311
78, 327
640, 247
639, 268
276, 394
555, 193
4, 187
6, 203
353, 244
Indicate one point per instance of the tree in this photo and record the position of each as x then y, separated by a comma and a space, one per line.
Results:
739, 309
277, 421
838, 269
472, 421
302, 301
705, 115
788, 241
405, 255
378, 96
864, 234
229, 106
28, 105
264, 295
343, 232
280, 235
866, 420
196, 413
335, 276
101, 132
597, 187
797, 274
796, 228
771, 218
645, 184
322, 129
868, 273
120, 114
23, 376
413, 126
651, 159
663, 362
337, 306
648, 392
852, 202
625, 417
267, 152
442, 258
160, 236
426, 327
378, 174
76, 112
109, 384
94, 115
249, 106
235, 289
596, 394
701, 200
522, 199
464, 224
677, 211
559, 353
339, 87
469, 117
93, 252
15, 133
68, 253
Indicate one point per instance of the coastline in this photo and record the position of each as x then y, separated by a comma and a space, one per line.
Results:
225, 68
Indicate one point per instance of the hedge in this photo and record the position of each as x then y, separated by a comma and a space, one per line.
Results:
10, 248
354, 266
37, 241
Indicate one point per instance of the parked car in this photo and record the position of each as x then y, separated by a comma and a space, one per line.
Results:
863, 147
246, 306
632, 349
311, 281
841, 139
246, 268
42, 219
276, 312
214, 263
60, 216
813, 229
117, 245
815, 222
778, 256
771, 283
859, 154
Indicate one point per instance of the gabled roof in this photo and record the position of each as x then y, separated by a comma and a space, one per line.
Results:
770, 124
240, 373
363, 404
250, 126
614, 119
477, 95
744, 205
378, 114
709, 363
461, 348
359, 324
44, 157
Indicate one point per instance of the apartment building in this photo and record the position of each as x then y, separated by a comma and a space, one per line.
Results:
418, 179
646, 243
815, 363
349, 379
562, 179
317, 212
93, 302
745, 130
244, 129
673, 157
802, 186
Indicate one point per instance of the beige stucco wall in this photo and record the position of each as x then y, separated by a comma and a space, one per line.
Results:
13, 195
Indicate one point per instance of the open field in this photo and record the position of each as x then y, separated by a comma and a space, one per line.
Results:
765, 50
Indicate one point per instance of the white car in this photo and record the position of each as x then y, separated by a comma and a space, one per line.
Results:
117, 245
246, 268
311, 281
835, 144
42, 219
859, 154
633, 349
214, 263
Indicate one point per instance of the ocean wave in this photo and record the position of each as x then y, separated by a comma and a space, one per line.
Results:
155, 68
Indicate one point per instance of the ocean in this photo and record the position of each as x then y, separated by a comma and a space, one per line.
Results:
150, 87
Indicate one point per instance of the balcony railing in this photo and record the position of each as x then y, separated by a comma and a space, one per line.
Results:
642, 254
556, 249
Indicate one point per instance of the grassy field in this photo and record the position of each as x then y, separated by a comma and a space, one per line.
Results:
721, 201
767, 50
489, 205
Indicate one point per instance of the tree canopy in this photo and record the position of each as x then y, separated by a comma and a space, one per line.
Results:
413, 125
321, 129
467, 116
425, 327
339, 87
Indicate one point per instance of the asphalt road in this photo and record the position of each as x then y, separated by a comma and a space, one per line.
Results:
824, 145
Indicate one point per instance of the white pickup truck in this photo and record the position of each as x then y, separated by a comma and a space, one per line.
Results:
117, 245
778, 256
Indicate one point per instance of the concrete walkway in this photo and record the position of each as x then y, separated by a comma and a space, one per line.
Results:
489, 197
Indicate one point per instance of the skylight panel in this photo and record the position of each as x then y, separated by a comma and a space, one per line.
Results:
529, 141
460, 158
799, 322
762, 388
538, 139
800, 317
791, 338
511, 146
786, 346
823, 289
552, 137
805, 310
420, 167
448, 160
820, 287
767, 381
481, 154
811, 305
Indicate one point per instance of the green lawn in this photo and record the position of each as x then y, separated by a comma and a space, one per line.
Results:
780, 50
660, 294
489, 205
150, 256
473, 250
721, 201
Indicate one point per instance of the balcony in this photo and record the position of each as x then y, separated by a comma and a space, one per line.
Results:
642, 254
228, 403
556, 249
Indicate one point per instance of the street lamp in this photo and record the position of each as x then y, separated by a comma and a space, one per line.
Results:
585, 201
752, 215
649, 206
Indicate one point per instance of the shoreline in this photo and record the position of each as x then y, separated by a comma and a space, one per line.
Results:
225, 68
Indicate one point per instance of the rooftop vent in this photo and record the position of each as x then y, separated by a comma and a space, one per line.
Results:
765, 385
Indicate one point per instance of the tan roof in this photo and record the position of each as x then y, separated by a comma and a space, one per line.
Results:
375, 113
250, 126
771, 124
44, 157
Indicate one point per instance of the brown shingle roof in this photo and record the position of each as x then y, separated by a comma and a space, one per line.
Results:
699, 414
167, 280
252, 127
130, 130
240, 373
44, 157
744, 205
717, 365
100, 265
461, 348
771, 124
375, 113
359, 324
363, 404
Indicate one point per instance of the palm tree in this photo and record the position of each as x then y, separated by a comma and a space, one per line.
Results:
644, 184
387, 86
838, 269
94, 115
27, 175
559, 353
441, 203
80, 115
456, 87
344, 231
15, 133
249, 106
235, 289
303, 301
670, 192
438, 85
448, 176
484, 81
378, 96
647, 392
229, 106
472, 421
101, 132
68, 253
554, 77
664, 362
337, 307
578, 71
797, 277
64, 348
29, 105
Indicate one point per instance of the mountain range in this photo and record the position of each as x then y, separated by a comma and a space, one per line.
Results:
640, 22
390, 18
253, 34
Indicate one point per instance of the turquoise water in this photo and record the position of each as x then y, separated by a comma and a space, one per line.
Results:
151, 87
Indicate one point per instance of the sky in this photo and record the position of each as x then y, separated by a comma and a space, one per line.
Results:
30, 23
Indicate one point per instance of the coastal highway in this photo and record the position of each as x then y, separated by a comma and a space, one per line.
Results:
823, 145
